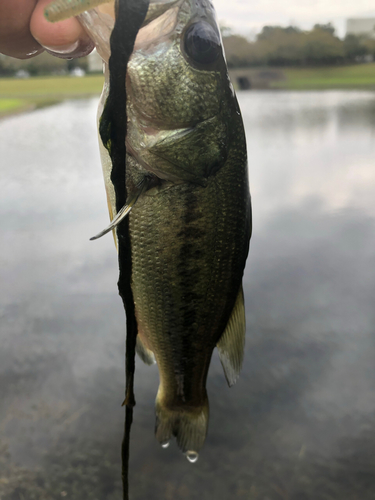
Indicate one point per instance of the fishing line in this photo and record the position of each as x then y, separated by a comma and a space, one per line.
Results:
130, 15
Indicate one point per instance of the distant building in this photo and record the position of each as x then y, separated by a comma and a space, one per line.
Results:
95, 63
22, 73
79, 72
361, 26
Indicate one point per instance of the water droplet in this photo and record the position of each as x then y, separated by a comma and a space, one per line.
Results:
192, 456
165, 444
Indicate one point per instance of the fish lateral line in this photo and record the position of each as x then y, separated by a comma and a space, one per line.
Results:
126, 209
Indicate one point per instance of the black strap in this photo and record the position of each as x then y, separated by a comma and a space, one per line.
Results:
130, 15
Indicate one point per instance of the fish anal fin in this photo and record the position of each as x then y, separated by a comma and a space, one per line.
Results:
232, 342
146, 355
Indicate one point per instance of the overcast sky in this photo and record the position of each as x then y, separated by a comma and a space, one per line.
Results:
249, 16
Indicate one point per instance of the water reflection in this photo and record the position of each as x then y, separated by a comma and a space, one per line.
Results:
311, 144
299, 424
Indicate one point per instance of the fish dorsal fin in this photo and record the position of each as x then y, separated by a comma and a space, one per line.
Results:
232, 342
146, 355
121, 214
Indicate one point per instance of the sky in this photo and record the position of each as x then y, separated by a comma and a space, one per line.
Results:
249, 16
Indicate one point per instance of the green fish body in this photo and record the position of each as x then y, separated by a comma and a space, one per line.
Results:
189, 233
188, 207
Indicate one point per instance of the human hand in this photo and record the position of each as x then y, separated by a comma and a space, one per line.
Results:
25, 32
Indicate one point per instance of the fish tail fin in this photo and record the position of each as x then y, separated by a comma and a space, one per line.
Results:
187, 424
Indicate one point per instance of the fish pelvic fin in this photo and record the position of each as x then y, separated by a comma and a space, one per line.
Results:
232, 342
146, 355
187, 424
125, 210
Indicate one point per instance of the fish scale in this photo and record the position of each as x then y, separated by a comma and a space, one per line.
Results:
161, 102
197, 275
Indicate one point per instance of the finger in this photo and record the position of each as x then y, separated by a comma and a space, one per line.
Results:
16, 39
64, 39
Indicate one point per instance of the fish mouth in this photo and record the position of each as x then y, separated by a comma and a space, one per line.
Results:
156, 8
160, 22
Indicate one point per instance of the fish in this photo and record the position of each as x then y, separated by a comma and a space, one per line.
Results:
188, 206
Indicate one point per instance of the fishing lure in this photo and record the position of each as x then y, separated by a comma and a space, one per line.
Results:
64, 9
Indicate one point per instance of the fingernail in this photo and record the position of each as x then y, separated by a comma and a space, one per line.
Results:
77, 49
33, 52
62, 49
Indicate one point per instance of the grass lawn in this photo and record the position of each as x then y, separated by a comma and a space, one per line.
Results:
28, 93
21, 94
51, 87
361, 76
7, 105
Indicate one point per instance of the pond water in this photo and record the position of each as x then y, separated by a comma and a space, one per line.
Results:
300, 422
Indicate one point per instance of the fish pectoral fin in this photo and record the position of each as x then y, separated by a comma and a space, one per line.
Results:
232, 342
121, 214
146, 355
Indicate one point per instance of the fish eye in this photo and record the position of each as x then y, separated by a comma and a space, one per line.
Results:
202, 43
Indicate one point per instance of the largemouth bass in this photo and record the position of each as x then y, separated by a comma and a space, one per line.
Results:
188, 205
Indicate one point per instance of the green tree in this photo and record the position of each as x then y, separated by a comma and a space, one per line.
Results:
278, 46
322, 47
325, 27
270, 32
238, 51
355, 47
369, 43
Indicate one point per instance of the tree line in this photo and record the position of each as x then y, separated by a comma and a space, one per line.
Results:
277, 46
273, 46
43, 64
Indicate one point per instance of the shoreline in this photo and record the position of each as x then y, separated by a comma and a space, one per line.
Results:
357, 77
24, 95
36, 92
